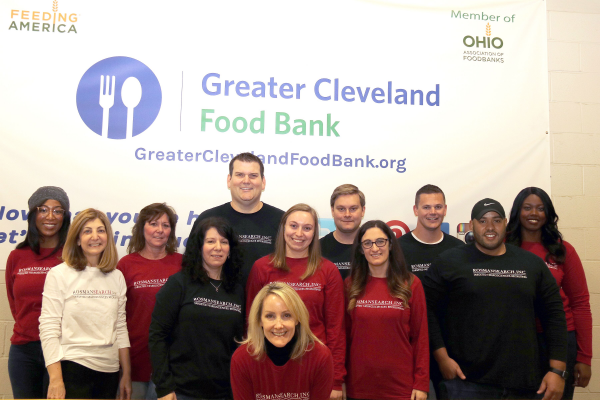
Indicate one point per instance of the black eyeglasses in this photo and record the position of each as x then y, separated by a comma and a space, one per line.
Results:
58, 212
367, 244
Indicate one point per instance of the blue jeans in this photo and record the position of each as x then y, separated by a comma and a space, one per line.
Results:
153, 396
571, 361
455, 389
27, 371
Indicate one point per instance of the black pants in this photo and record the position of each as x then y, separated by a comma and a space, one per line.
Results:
84, 383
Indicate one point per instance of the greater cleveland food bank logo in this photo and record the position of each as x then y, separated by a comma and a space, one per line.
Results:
118, 97
49, 21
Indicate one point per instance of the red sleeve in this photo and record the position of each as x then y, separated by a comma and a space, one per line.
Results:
334, 321
241, 383
419, 336
323, 372
8, 276
255, 282
575, 287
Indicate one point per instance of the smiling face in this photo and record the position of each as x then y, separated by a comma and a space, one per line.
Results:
347, 213
92, 240
157, 231
377, 257
489, 232
49, 225
299, 233
430, 211
278, 323
533, 213
215, 250
245, 183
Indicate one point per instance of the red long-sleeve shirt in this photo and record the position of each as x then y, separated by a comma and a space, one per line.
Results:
25, 276
388, 343
570, 278
323, 295
310, 378
144, 278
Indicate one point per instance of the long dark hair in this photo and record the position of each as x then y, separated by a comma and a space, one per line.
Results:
551, 236
399, 278
32, 239
192, 258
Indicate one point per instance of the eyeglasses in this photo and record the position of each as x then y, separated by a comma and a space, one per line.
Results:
367, 244
57, 212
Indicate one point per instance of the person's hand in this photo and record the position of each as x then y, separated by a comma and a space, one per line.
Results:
125, 388
583, 373
336, 395
170, 396
450, 369
552, 386
418, 395
56, 389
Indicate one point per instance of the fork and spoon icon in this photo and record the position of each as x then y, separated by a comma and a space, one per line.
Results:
131, 94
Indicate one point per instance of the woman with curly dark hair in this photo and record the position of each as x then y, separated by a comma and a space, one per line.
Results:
533, 227
152, 259
388, 342
198, 316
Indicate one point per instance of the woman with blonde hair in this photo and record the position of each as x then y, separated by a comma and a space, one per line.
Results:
82, 324
297, 261
281, 355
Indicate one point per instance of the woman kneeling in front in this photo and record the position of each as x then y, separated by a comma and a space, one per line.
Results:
281, 355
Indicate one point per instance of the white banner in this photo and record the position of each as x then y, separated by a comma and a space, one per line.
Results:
387, 95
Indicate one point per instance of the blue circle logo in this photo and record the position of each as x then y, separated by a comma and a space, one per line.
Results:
118, 97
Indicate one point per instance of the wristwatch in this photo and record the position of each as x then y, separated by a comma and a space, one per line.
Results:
562, 374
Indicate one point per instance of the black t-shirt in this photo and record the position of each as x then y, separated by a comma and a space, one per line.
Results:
338, 253
193, 336
256, 231
419, 256
482, 309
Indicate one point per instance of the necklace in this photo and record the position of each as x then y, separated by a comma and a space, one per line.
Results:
216, 287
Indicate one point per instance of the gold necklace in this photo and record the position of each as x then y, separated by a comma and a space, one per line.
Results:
216, 287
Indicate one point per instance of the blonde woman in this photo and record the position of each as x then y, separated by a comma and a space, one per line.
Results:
297, 261
82, 325
281, 357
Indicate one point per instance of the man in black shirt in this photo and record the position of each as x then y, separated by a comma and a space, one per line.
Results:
255, 222
347, 209
482, 301
427, 241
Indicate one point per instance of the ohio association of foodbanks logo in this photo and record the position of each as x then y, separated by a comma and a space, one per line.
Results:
484, 47
118, 97
50, 21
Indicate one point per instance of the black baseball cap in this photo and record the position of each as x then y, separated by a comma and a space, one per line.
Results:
486, 205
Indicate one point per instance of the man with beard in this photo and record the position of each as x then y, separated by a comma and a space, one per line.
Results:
482, 301
347, 209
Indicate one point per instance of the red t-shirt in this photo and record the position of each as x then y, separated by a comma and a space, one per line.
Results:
570, 277
388, 343
25, 276
144, 278
311, 378
323, 295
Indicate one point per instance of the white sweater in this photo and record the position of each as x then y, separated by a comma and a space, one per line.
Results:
83, 317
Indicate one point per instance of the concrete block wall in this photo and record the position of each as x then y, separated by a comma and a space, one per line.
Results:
574, 88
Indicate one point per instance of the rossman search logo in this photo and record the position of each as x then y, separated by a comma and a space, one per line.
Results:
485, 42
43, 21
398, 227
118, 97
